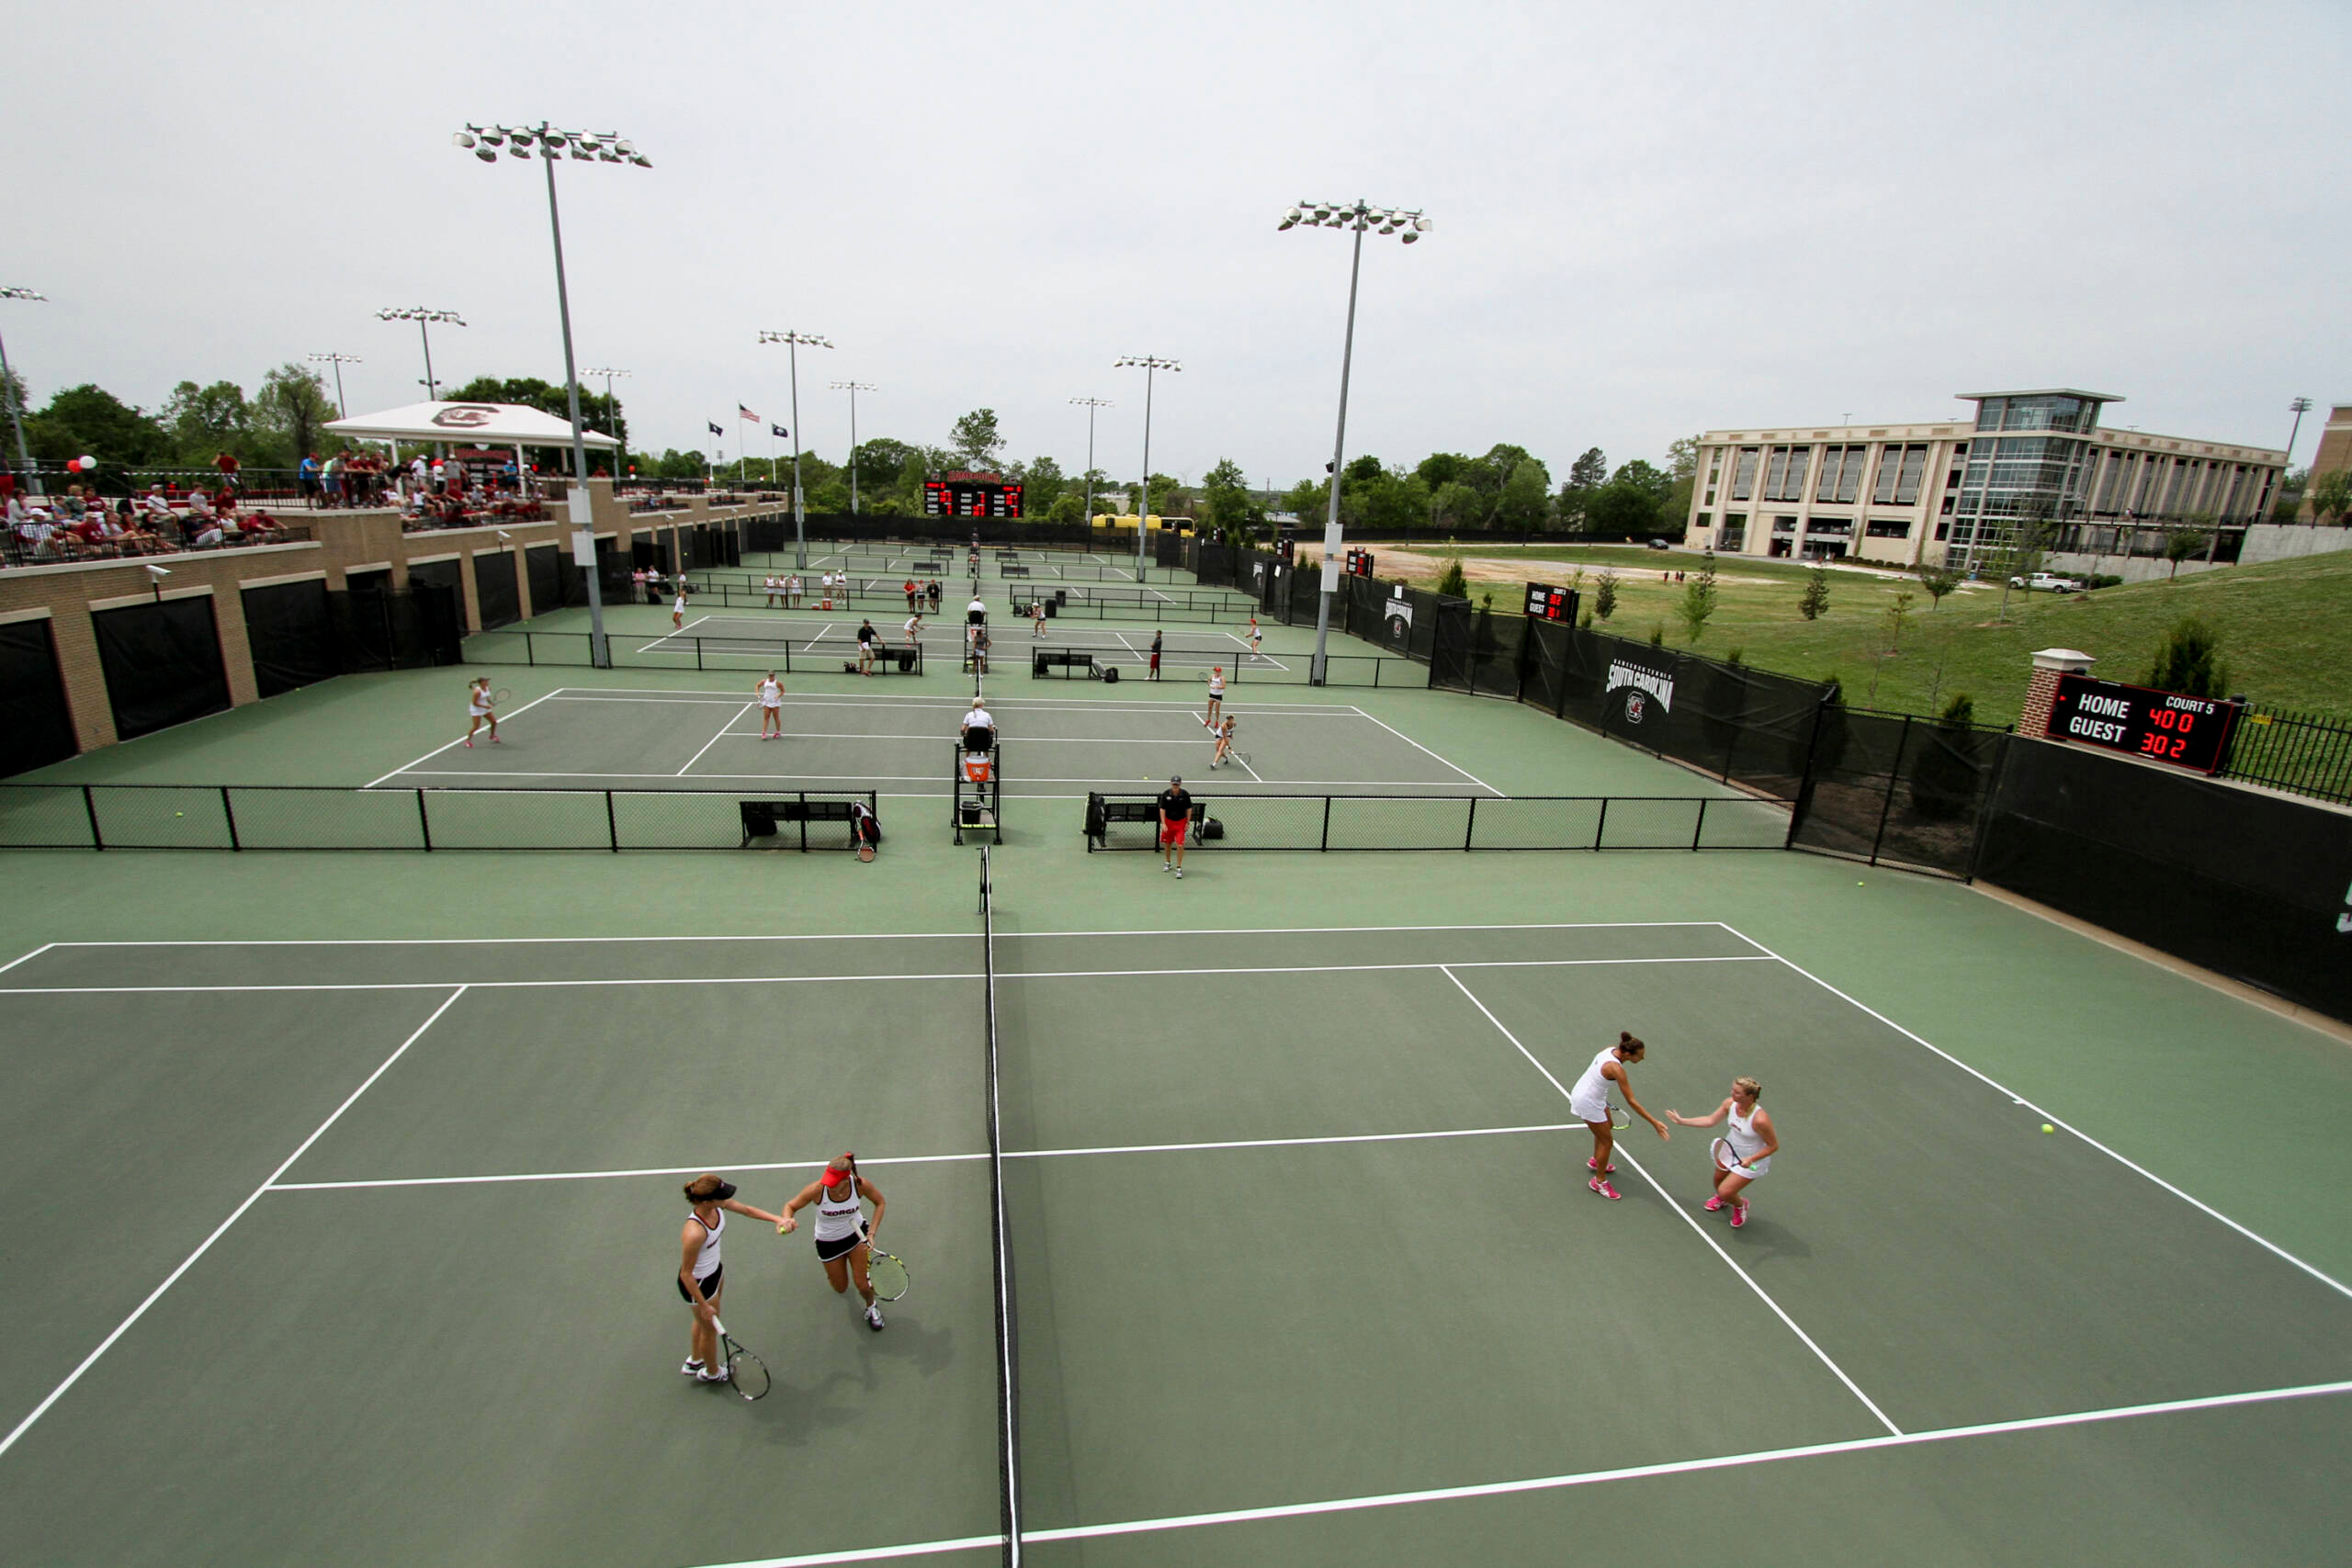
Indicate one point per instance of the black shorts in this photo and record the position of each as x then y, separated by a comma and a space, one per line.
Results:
829, 1250
708, 1288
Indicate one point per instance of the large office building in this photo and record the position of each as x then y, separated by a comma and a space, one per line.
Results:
1963, 492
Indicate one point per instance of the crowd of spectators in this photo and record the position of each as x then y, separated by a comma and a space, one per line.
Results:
83, 525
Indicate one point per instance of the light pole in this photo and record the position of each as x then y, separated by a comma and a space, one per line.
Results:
613, 413
422, 318
792, 342
1090, 405
587, 148
9, 385
853, 389
1149, 363
342, 409
1358, 215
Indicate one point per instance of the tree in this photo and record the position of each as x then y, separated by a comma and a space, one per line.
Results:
1450, 583
1937, 581
89, 420
1604, 595
2331, 495
1894, 615
203, 422
1308, 502
1361, 469
1442, 469
975, 440
1041, 483
1526, 497
294, 404
1621, 511
1490, 473
1067, 509
1585, 476
1814, 603
2189, 662
1681, 473
2291, 486
1233, 513
880, 463
1698, 598
2185, 544
1455, 505
1644, 477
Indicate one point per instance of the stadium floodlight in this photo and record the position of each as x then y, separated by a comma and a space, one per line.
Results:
551, 143
792, 342
423, 320
342, 409
1147, 364
7, 378
853, 389
1359, 216
1090, 405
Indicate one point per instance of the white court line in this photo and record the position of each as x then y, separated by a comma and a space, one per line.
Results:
846, 979
206, 1246
930, 1159
1125, 784
840, 735
1584, 1478
659, 694
20, 958
1419, 747
885, 936
732, 719
1746, 1278
2054, 1120
404, 767
655, 646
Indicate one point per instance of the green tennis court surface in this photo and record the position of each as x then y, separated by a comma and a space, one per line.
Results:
359, 1252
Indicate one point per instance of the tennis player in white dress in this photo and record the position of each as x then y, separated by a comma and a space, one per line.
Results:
770, 690
843, 1232
1216, 695
480, 710
1744, 1152
1590, 1100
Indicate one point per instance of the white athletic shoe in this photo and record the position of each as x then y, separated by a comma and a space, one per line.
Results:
874, 1318
1165, 866
691, 1368
710, 1377
1180, 873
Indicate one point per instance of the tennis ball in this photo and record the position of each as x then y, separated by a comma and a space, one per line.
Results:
2048, 1128
179, 813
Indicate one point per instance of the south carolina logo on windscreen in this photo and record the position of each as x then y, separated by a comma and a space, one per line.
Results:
1635, 707
465, 416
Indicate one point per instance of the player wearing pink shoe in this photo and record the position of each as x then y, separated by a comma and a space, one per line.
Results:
481, 709
1590, 1100
1744, 1152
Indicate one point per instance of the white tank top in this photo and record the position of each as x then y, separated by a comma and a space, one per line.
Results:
706, 1260
771, 693
1739, 1132
837, 1220
1592, 1089
1217, 685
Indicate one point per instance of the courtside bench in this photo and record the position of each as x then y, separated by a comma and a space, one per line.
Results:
761, 819
1073, 663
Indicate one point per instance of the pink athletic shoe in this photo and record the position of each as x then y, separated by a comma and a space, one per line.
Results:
1594, 1164
1738, 1213
1712, 1205
1600, 1185
469, 745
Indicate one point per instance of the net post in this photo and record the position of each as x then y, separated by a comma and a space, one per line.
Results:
1601, 826
229, 814
424, 822
90, 809
698, 653
1470, 824
1699, 828
1325, 842
530, 654
612, 823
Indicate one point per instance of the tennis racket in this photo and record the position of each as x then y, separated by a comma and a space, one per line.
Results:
885, 1272
746, 1373
499, 698
1728, 1158
1619, 1119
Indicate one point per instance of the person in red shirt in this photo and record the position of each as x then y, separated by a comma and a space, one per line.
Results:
227, 464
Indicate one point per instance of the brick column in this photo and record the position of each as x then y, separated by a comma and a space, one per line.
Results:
2043, 690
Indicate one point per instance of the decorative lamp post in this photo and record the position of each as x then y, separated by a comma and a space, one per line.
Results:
585, 147
1147, 364
853, 389
1358, 215
792, 342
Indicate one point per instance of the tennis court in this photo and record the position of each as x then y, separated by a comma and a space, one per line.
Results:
607, 737
752, 642
1303, 1267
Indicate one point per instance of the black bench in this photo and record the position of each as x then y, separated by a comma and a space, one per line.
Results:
1101, 814
1006, 569
759, 817
1063, 659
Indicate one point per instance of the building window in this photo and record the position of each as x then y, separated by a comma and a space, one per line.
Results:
1947, 511
1943, 532
1784, 477
1704, 519
1784, 525
1830, 527
1841, 474
1711, 498
1743, 473
1889, 528
1900, 469
1734, 531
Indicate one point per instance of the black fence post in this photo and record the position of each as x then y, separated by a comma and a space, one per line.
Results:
612, 823
804, 821
1601, 825
90, 809
1894, 777
229, 812
1327, 824
424, 822
1699, 828
1805, 780
1470, 824
698, 653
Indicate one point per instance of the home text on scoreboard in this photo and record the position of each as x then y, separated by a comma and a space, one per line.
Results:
1547, 602
2162, 726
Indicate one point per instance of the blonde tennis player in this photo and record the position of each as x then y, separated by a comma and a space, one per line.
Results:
1216, 695
711, 1200
842, 1231
1590, 1100
480, 710
1744, 1152
770, 690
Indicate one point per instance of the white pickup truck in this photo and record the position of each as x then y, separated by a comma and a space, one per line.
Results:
2048, 580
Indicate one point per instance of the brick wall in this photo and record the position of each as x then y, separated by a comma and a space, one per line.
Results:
2041, 691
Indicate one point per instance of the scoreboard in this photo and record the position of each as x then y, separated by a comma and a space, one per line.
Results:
959, 496
1546, 603
2160, 726
1359, 563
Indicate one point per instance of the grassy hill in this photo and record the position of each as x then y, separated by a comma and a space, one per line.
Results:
2286, 628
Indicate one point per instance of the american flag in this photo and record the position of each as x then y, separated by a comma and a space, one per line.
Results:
747, 413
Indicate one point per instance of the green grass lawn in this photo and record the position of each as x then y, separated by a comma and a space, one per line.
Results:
2282, 626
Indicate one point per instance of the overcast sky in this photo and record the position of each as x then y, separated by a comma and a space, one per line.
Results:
1650, 219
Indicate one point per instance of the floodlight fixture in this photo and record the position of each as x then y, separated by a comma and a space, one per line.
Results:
793, 342
1090, 405
1149, 363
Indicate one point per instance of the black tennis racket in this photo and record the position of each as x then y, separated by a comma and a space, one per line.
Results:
499, 698
746, 1373
885, 1272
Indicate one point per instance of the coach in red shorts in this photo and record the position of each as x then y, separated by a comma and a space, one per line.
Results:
1175, 816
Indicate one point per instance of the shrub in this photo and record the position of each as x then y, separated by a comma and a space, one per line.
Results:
2189, 662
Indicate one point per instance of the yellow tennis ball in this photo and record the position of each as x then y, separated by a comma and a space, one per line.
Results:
2048, 1128
179, 813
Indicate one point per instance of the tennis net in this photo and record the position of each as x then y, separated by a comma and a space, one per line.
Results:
1008, 1397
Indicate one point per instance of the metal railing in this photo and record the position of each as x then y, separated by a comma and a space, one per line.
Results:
1326, 822
315, 816
2304, 753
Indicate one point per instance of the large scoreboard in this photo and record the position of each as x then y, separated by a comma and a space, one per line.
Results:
970, 495
1546, 603
2159, 727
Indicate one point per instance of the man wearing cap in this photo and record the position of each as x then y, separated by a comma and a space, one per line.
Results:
1175, 816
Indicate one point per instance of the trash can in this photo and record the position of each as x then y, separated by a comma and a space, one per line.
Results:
1053, 608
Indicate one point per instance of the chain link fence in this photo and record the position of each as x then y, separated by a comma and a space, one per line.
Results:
1325, 822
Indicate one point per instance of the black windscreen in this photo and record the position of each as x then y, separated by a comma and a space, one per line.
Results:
36, 727
162, 664
291, 634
